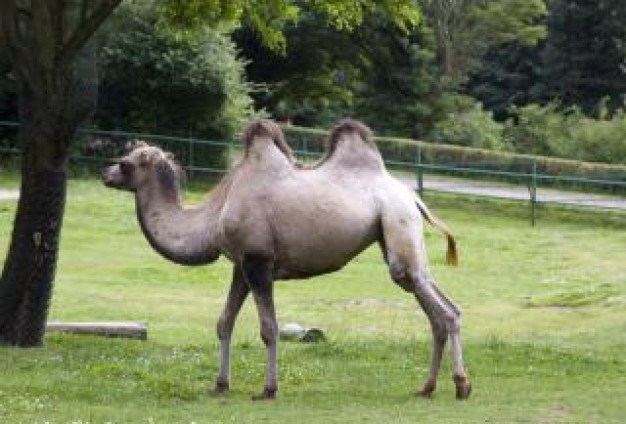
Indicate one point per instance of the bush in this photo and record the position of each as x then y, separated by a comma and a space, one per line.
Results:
536, 129
598, 140
569, 134
473, 127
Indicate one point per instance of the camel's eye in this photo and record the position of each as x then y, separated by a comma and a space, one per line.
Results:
126, 168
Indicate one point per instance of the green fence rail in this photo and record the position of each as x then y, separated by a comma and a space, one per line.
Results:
96, 147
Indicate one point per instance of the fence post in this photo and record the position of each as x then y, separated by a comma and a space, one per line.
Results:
533, 193
191, 158
419, 175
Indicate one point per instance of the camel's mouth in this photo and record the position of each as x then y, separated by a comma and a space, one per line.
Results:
113, 178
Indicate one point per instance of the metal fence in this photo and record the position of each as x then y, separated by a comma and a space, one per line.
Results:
207, 158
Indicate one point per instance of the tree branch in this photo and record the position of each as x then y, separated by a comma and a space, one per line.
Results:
85, 30
15, 44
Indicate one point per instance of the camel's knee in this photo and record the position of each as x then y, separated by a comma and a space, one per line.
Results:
268, 331
222, 328
445, 322
400, 275
452, 319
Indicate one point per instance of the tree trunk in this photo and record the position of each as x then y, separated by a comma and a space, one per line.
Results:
29, 270
48, 123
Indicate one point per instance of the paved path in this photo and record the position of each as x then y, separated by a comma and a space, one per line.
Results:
515, 192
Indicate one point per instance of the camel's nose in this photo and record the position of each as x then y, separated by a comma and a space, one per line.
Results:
105, 174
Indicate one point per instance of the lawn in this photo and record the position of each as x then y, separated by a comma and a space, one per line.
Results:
544, 328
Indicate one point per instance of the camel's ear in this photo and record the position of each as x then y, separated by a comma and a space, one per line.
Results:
144, 158
169, 155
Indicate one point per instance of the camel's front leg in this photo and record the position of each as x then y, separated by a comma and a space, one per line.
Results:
258, 273
239, 290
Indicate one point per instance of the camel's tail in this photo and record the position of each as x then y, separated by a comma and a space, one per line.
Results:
452, 255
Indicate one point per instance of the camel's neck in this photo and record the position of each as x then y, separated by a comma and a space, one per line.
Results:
185, 236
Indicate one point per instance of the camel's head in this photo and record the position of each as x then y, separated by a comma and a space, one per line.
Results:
141, 167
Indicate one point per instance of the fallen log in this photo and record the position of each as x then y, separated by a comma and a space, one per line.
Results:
129, 330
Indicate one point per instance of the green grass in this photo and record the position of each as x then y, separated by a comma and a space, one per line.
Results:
544, 328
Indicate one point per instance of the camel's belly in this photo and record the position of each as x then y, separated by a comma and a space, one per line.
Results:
320, 252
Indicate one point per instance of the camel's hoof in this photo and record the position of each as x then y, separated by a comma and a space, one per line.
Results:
268, 393
221, 388
427, 390
463, 387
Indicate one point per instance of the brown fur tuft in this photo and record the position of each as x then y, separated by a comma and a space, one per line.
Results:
345, 126
452, 253
266, 128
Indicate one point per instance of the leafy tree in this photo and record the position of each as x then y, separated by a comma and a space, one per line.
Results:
182, 83
398, 91
312, 81
378, 72
269, 18
509, 75
466, 29
584, 56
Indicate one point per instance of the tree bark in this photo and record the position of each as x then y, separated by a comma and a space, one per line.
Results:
29, 270
26, 285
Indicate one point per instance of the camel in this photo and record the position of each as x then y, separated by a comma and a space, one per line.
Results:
275, 219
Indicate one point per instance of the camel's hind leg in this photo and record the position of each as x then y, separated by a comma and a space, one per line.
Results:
406, 257
239, 290
445, 321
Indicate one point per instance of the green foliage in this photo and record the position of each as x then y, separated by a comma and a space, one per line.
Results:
509, 75
466, 30
268, 18
398, 90
159, 81
597, 140
376, 71
570, 134
312, 82
536, 129
584, 54
503, 21
472, 127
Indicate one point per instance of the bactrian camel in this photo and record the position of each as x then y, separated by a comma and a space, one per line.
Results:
275, 219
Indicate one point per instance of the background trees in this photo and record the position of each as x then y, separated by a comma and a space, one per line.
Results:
584, 58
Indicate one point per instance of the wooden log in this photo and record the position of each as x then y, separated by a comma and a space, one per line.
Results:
130, 330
